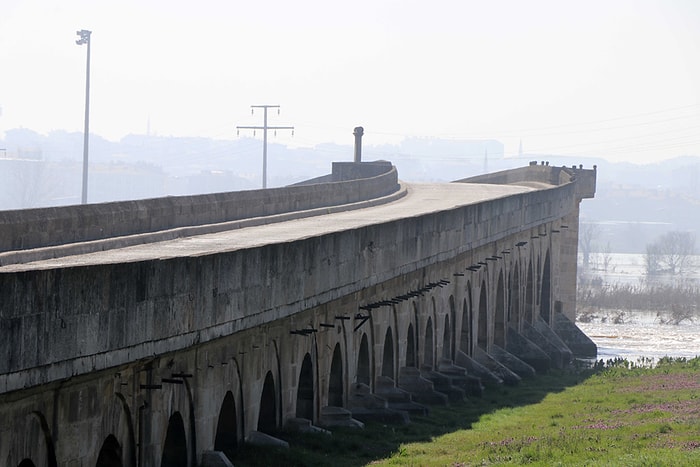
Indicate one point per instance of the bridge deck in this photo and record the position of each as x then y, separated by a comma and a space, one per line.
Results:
420, 199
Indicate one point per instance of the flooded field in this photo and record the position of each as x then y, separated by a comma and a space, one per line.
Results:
635, 334
641, 334
623, 268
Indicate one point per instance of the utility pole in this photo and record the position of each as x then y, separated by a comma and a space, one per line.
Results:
85, 39
264, 128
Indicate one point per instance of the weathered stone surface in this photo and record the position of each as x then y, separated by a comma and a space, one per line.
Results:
527, 351
580, 344
198, 343
258, 438
337, 416
549, 342
477, 369
496, 367
215, 459
510, 361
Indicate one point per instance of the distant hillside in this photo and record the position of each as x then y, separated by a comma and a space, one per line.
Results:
636, 203
633, 203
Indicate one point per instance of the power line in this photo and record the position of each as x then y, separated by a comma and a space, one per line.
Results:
264, 128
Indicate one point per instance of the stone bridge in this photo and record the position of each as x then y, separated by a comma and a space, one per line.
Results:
170, 331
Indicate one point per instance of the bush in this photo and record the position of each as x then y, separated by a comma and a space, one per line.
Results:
681, 300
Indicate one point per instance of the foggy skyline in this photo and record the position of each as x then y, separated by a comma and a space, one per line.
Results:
618, 80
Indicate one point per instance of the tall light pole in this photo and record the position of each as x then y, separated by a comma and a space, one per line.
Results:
85, 39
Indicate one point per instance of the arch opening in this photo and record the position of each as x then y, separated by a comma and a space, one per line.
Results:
226, 439
267, 420
447, 340
335, 382
483, 334
428, 354
545, 300
388, 355
305, 390
410, 347
175, 445
465, 338
110, 453
514, 299
529, 299
363, 369
499, 331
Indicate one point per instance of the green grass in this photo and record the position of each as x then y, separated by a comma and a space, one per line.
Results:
621, 414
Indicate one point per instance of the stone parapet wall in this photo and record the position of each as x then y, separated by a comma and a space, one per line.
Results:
44, 227
584, 179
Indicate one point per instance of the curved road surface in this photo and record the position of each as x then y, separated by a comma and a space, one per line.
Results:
420, 199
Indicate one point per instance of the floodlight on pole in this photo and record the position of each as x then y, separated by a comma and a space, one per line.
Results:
85, 39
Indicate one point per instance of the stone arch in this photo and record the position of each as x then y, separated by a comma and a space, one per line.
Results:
26, 463
180, 402
305, 390
546, 290
238, 396
514, 298
193, 428
226, 439
417, 330
37, 436
388, 355
529, 295
453, 327
538, 285
411, 346
465, 339
267, 419
175, 444
110, 454
447, 338
364, 374
482, 337
335, 380
429, 347
499, 326
118, 423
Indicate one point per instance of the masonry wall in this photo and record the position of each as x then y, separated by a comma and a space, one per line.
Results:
133, 402
61, 323
34, 228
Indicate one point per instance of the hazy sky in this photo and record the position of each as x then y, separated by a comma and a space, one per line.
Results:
614, 78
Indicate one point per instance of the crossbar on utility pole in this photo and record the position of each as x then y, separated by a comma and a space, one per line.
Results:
264, 128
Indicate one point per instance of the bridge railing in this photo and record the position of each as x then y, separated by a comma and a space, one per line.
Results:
584, 179
45, 227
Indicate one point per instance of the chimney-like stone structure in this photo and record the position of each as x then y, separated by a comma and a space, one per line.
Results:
358, 132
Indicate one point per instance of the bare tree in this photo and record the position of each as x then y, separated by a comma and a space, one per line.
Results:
587, 233
652, 259
32, 184
606, 257
672, 253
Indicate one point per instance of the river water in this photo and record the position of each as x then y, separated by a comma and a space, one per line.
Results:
639, 334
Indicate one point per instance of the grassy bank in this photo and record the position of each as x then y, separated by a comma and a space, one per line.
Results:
617, 415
